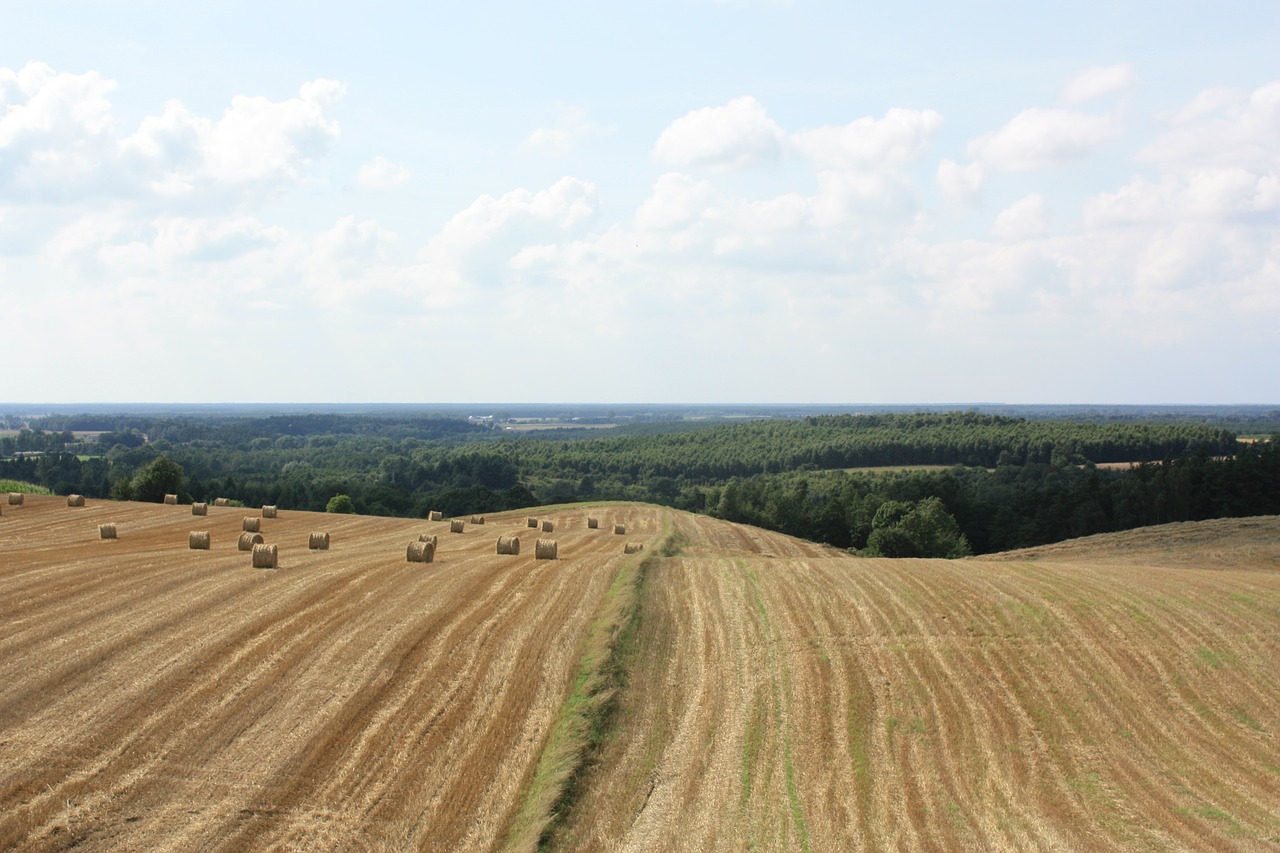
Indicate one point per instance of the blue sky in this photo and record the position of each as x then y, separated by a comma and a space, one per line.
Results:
662, 202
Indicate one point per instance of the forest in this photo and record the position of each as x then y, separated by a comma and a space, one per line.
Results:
897, 484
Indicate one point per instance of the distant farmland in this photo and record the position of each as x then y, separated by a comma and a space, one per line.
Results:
1114, 693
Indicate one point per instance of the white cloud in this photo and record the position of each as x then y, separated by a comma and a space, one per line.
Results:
867, 143
676, 200
59, 142
571, 127
381, 174
1026, 217
1222, 128
1097, 82
738, 135
960, 184
1042, 139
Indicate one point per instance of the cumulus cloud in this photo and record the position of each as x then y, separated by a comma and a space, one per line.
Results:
1222, 128
960, 184
1098, 82
1042, 139
381, 174
1026, 217
59, 141
571, 127
738, 135
476, 245
867, 143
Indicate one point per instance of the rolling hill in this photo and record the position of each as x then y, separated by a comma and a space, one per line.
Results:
742, 689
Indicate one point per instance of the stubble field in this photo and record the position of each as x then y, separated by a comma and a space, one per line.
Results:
1119, 693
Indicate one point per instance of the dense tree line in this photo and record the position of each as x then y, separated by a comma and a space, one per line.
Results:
1014, 481
1012, 506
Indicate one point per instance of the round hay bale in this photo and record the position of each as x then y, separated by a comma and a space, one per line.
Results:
248, 540
318, 542
268, 511
545, 549
508, 544
265, 556
421, 552
198, 540
199, 509
477, 519
632, 548
251, 524
221, 502
15, 499
620, 529
435, 515
593, 523
171, 500
107, 531
428, 537
532, 522
75, 500
547, 527
455, 526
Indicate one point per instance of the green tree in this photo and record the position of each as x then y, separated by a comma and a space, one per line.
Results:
922, 529
159, 477
340, 503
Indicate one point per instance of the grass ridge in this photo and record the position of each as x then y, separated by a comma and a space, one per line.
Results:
585, 716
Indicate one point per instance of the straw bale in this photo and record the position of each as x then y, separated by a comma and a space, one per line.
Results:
456, 526
435, 515
548, 526
620, 529
477, 519
632, 547
318, 542
421, 552
251, 524
107, 531
198, 540
545, 549
171, 500
199, 509
268, 511
15, 498
428, 537
508, 544
221, 502
593, 523
531, 522
248, 540
265, 556
75, 500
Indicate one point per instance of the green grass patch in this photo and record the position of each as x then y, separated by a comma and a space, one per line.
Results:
20, 486
1243, 716
583, 721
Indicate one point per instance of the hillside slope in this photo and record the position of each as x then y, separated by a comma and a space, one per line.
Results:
1109, 694
784, 699
156, 697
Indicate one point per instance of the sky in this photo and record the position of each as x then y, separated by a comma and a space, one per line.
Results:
665, 202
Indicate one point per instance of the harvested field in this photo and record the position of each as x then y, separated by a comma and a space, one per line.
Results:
152, 697
1117, 693
785, 698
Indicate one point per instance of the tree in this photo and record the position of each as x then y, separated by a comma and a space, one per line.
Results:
159, 477
922, 529
340, 503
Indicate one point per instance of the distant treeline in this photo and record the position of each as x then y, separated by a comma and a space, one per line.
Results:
1016, 482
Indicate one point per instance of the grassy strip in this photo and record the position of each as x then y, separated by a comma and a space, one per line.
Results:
584, 718
781, 692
